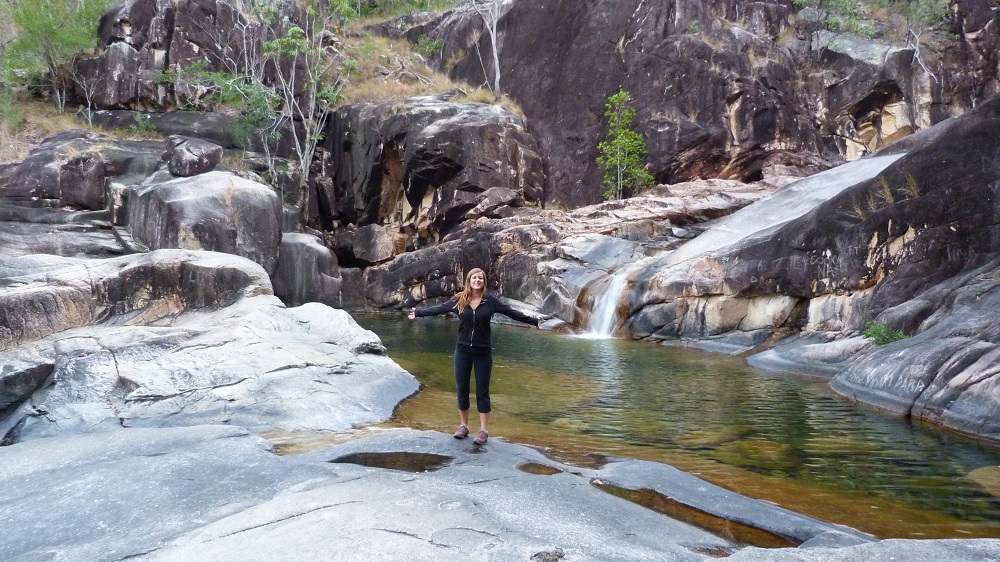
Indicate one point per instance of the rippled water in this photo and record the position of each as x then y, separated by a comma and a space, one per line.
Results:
781, 437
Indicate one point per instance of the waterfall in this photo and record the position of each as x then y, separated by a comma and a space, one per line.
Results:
604, 317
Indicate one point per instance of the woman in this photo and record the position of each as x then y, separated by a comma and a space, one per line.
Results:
474, 307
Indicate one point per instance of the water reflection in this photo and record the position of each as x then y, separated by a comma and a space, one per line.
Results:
785, 428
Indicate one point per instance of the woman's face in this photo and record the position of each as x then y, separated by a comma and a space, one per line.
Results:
477, 281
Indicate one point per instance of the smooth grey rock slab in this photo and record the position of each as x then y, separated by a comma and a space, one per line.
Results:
900, 550
479, 506
109, 496
813, 354
255, 364
45, 294
217, 493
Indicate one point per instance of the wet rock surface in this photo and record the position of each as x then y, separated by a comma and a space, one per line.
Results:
78, 491
547, 259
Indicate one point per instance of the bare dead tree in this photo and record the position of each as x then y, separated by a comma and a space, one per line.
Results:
491, 11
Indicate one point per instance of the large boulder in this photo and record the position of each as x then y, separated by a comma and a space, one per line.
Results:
65, 170
189, 157
49, 294
422, 165
307, 271
254, 363
908, 239
215, 211
178, 338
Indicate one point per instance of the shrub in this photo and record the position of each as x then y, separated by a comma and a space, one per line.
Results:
429, 47
882, 333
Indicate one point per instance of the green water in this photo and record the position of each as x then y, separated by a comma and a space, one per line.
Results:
781, 437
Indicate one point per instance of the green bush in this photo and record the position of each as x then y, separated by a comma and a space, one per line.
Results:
429, 47
857, 17
882, 333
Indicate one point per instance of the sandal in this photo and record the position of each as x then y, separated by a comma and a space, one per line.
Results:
481, 437
462, 432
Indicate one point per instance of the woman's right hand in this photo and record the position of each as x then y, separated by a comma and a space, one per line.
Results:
412, 314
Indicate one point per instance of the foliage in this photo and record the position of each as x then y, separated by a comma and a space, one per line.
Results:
386, 8
881, 333
622, 152
857, 16
199, 88
429, 47
51, 35
918, 13
142, 126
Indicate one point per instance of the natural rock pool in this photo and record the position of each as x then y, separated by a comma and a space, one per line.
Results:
779, 437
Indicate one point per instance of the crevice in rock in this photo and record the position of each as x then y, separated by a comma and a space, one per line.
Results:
283, 519
738, 532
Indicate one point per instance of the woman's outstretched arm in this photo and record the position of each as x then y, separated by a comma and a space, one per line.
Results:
434, 310
512, 313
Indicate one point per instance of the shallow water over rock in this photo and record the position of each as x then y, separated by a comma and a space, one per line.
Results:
785, 438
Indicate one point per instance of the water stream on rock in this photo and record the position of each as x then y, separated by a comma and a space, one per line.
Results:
783, 438
604, 318
605, 315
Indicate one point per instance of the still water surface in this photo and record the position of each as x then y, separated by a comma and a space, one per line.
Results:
780, 437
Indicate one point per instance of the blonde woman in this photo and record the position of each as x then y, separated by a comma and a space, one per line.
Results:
474, 307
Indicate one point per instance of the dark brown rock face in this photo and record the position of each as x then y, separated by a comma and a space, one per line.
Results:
722, 89
424, 164
214, 211
135, 38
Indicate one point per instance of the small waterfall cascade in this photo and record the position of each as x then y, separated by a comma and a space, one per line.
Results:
604, 318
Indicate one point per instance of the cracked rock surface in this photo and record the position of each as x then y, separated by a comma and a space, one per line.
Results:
218, 493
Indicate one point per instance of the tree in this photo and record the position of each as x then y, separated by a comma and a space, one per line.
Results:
490, 11
308, 80
622, 152
50, 35
285, 75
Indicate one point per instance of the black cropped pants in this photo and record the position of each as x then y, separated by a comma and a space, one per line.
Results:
467, 358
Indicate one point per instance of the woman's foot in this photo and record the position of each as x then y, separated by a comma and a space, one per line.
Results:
462, 432
481, 437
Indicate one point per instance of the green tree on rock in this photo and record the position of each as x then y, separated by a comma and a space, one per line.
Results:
622, 152
50, 35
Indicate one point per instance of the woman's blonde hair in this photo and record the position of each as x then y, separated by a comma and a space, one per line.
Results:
466, 295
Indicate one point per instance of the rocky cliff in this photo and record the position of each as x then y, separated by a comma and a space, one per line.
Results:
728, 89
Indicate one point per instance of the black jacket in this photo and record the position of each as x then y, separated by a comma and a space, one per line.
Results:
474, 323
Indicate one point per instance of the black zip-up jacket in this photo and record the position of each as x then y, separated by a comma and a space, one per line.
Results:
474, 323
